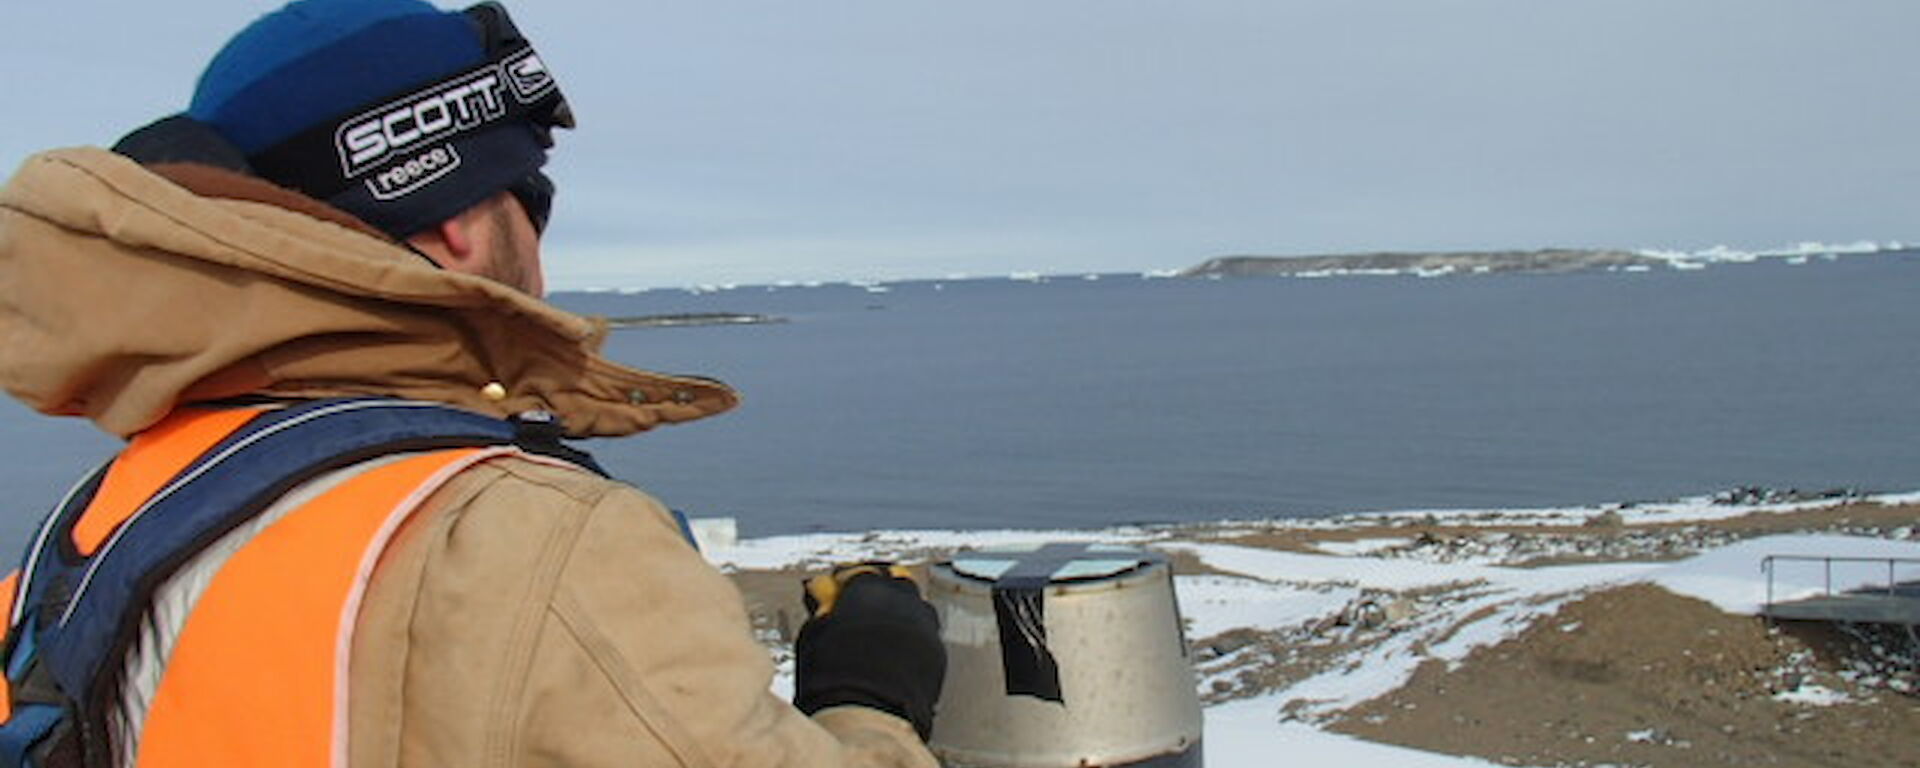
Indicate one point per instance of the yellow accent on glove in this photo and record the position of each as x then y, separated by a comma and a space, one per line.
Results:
823, 590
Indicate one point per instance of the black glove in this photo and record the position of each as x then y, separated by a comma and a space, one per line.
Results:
875, 644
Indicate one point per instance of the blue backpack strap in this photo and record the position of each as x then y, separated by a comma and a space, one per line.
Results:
51, 555
36, 735
86, 612
541, 433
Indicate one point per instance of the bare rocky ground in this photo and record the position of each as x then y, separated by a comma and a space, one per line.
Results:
1631, 676
1640, 676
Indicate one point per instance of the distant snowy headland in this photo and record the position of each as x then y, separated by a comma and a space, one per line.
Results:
684, 319
1542, 261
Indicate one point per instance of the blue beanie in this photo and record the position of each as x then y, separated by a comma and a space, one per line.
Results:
392, 110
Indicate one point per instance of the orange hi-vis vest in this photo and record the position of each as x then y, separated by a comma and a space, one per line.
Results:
256, 671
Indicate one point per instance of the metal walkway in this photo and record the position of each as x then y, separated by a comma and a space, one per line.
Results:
1895, 602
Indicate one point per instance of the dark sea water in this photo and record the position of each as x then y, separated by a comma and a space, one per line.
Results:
1080, 403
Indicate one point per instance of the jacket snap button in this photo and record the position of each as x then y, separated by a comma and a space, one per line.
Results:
494, 391
682, 396
637, 396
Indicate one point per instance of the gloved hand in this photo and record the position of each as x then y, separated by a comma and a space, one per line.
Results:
871, 642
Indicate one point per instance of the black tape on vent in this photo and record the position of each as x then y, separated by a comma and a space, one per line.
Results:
1020, 607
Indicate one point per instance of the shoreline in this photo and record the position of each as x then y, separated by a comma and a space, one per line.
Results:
766, 551
1370, 631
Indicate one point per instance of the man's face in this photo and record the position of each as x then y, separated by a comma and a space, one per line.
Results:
493, 239
517, 247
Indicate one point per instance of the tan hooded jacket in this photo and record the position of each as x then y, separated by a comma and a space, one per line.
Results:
529, 614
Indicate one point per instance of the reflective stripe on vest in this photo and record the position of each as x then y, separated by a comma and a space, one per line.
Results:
258, 675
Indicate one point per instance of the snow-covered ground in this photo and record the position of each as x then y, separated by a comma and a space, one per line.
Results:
1797, 253
1443, 606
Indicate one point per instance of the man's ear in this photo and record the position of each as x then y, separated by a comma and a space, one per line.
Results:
449, 243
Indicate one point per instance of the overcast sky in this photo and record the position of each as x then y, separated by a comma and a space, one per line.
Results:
762, 140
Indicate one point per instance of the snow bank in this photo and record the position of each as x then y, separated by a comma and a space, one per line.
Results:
1730, 577
1215, 604
1247, 734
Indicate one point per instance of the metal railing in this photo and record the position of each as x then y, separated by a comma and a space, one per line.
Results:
1893, 584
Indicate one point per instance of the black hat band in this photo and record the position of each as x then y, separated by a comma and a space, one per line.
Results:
408, 141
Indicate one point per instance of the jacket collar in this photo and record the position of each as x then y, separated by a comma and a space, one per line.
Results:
125, 291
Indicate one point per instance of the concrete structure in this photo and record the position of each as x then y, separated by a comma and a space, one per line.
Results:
1898, 602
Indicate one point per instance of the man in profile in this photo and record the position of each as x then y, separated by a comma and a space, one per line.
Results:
349, 212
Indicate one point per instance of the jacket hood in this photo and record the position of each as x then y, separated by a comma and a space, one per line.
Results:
123, 292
